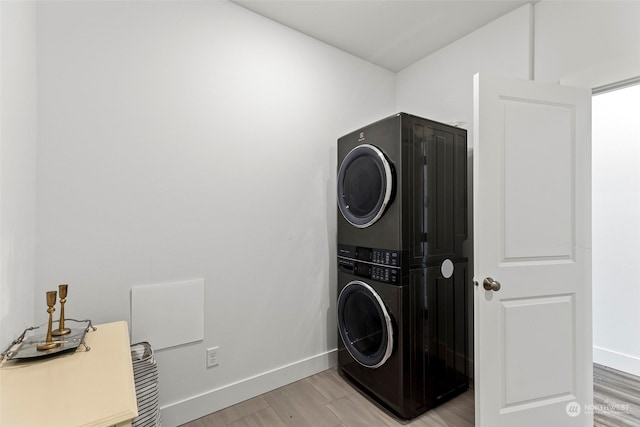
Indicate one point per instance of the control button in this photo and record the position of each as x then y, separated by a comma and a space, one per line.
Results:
394, 258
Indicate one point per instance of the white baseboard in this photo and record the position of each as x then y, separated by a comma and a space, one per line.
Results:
619, 361
177, 413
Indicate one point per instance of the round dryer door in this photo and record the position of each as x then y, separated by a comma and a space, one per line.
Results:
364, 324
365, 185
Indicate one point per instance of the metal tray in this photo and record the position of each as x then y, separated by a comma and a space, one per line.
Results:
24, 347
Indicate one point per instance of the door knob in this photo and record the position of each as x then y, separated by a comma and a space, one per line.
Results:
491, 285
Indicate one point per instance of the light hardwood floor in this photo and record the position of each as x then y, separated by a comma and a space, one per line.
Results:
325, 399
616, 398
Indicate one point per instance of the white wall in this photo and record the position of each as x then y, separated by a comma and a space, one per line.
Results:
616, 229
587, 43
440, 86
182, 140
593, 44
18, 109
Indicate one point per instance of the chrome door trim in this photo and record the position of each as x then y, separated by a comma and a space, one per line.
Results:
387, 321
388, 183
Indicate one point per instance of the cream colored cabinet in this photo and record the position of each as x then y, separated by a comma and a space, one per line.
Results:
83, 388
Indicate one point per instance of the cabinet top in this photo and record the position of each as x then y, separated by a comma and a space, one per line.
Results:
82, 388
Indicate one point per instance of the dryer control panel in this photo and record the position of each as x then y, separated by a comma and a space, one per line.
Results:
372, 255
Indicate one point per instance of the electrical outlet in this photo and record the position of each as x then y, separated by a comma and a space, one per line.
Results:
212, 357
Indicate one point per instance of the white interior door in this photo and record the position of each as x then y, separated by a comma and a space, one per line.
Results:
532, 222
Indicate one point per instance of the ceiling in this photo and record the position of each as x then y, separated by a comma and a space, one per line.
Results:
390, 33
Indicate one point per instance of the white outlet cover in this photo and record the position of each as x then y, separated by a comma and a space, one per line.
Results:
212, 357
168, 314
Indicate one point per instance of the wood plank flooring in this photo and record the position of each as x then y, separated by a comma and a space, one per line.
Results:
616, 398
325, 399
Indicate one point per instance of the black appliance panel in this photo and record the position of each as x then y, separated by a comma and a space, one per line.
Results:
436, 224
445, 332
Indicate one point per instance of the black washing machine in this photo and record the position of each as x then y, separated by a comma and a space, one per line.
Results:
402, 276
403, 344
402, 187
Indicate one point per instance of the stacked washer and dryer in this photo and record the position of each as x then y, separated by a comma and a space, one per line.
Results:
402, 277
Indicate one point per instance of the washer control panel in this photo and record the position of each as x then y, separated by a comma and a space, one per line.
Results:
369, 270
384, 274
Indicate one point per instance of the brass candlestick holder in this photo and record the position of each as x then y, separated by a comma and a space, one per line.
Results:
49, 343
62, 290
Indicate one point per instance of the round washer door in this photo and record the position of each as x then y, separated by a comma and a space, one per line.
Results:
365, 185
364, 324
